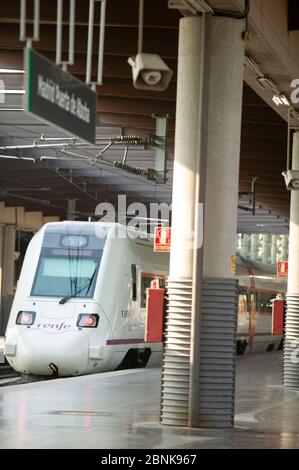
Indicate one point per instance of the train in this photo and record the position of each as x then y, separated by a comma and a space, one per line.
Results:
80, 303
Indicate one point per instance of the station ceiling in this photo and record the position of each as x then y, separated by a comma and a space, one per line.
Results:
45, 184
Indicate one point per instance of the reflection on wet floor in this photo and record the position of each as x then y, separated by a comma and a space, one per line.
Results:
121, 410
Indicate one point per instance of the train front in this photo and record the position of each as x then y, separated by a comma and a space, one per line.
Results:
52, 329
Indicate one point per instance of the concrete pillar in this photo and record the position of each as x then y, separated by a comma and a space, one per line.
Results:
219, 306
284, 248
291, 341
224, 134
266, 247
254, 246
2, 226
8, 263
274, 250
179, 311
195, 391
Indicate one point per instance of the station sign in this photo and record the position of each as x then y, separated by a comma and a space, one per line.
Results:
282, 268
59, 98
162, 239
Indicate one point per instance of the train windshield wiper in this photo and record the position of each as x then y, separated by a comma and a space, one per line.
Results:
87, 284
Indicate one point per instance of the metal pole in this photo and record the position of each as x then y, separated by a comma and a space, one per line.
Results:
72, 31
101, 42
89, 42
23, 20
59, 31
140, 26
36, 20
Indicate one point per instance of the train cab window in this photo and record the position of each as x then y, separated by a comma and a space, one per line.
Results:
146, 283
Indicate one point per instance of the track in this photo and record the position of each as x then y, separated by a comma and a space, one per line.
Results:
6, 372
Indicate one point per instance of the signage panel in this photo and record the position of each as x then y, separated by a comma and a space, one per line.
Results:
282, 268
59, 98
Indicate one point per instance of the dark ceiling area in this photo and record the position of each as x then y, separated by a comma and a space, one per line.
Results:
120, 105
293, 14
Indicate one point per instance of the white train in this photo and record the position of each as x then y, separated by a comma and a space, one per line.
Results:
80, 303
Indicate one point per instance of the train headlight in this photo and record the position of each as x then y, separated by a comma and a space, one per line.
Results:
25, 318
88, 320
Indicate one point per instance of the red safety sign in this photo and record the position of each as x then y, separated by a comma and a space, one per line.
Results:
162, 239
282, 268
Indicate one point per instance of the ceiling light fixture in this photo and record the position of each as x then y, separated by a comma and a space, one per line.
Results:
276, 99
12, 71
12, 92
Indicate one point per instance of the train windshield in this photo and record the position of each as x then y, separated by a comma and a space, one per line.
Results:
67, 269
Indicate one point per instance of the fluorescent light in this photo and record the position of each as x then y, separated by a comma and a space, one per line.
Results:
11, 71
277, 100
284, 100
12, 92
266, 82
252, 64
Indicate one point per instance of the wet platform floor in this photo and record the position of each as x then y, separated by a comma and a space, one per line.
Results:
121, 410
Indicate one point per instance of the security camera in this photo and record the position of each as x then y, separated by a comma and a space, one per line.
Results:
291, 179
150, 72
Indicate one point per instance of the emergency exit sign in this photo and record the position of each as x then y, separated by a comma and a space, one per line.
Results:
282, 268
162, 239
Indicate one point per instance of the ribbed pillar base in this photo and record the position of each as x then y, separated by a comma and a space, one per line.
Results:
218, 338
176, 357
291, 343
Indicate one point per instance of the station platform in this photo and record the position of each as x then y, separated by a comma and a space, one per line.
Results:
121, 410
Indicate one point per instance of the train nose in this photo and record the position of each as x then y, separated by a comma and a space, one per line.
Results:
64, 355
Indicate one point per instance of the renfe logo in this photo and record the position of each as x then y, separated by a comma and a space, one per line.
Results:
55, 327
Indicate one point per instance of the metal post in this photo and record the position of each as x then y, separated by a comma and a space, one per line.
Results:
89, 41
36, 16
101, 43
72, 32
59, 31
90, 44
140, 26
